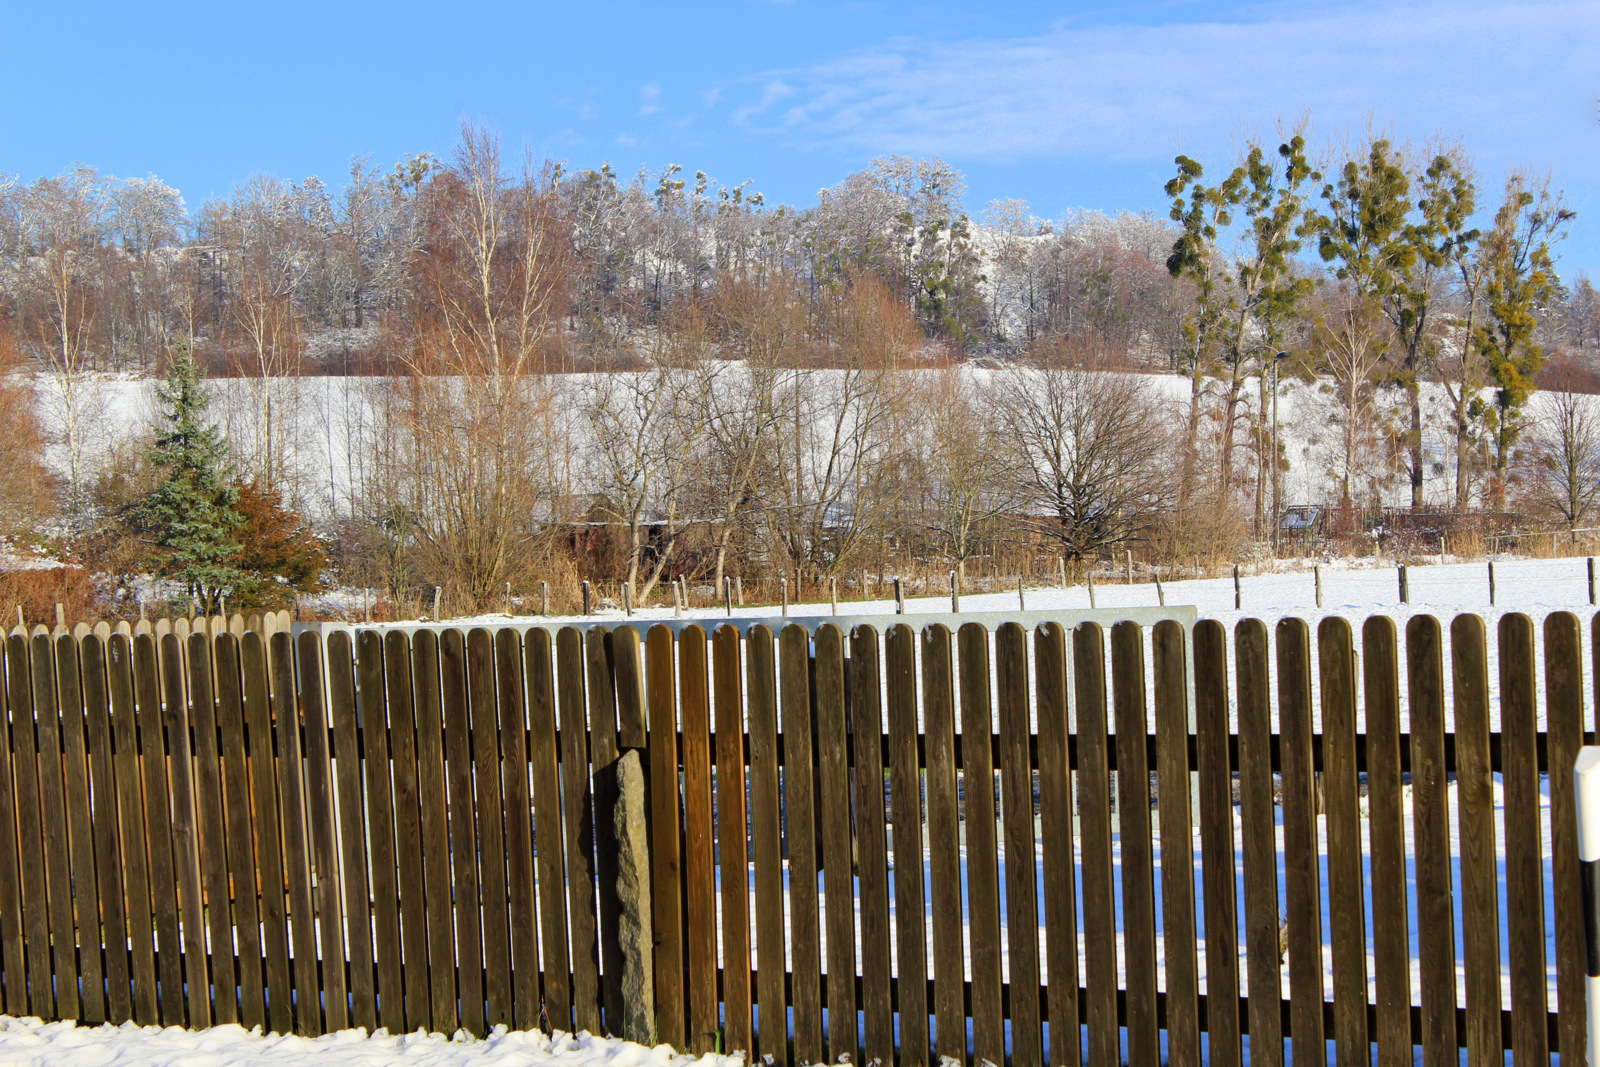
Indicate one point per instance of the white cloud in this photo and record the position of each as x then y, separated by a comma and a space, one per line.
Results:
649, 97
1515, 81
627, 140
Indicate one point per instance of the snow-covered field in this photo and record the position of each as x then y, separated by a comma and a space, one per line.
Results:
31, 1043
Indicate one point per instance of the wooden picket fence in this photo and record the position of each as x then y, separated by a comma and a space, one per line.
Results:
413, 828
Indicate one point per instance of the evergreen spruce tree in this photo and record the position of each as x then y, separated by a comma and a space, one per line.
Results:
191, 515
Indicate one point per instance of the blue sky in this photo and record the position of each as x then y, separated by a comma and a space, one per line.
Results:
1066, 106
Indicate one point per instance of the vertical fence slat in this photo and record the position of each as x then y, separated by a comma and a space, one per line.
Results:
1480, 912
289, 717
1022, 902
158, 826
1346, 900
833, 803
463, 848
1563, 673
379, 825
1430, 813
185, 831
130, 805
799, 793
905, 792
866, 721
241, 866
601, 674
547, 842
212, 839
699, 862
327, 892
1177, 843
410, 841
1259, 843
1057, 854
732, 836
85, 896
1094, 818
944, 845
983, 846
432, 801
108, 860
577, 808
518, 798
12, 941
351, 793
1391, 939
1302, 881
1218, 860
1138, 863
491, 845
57, 841
766, 844
666, 881
1519, 683
268, 843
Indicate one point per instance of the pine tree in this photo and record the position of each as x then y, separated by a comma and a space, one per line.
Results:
191, 515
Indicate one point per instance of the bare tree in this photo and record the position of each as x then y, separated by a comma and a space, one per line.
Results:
1350, 344
1093, 450
968, 491
1563, 471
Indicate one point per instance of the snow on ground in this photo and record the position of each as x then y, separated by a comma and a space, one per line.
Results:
29, 1042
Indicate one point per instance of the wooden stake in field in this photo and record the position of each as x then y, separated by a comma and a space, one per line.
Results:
1161, 596
1022, 604
1405, 588
899, 598
586, 596
1237, 598
1129, 571
438, 604
1091, 587
627, 598
1062, 565
833, 594
1317, 572
783, 591
727, 593
955, 590
1491, 583
544, 598
1591, 579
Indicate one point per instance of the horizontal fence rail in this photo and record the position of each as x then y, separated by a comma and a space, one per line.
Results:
995, 843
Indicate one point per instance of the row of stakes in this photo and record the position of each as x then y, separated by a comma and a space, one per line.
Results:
733, 591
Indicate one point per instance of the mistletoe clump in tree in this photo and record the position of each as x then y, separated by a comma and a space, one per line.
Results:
191, 516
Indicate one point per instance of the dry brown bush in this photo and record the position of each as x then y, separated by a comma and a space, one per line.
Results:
37, 592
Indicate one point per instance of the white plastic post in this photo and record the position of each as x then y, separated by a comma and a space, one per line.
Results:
1587, 774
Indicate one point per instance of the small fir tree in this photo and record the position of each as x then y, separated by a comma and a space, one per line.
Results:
191, 515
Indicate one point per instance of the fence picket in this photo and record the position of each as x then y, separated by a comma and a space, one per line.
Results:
577, 808
212, 839
491, 845
348, 782
603, 753
1016, 780
108, 860
905, 792
327, 893
1218, 860
732, 835
766, 845
433, 803
699, 856
799, 790
464, 856
1138, 863
1302, 882
270, 869
63, 950
1056, 846
85, 895
1525, 924
1094, 817
411, 883
833, 804
388, 948
864, 707
12, 942
1430, 813
240, 858
1480, 913
983, 876
1391, 937
158, 825
1258, 841
1177, 826
1346, 892
518, 798
666, 876
546, 784
1563, 684
944, 844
